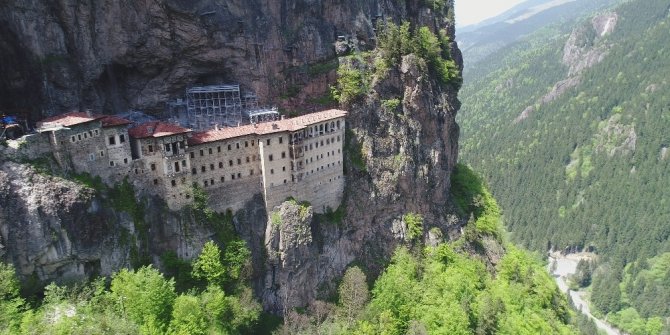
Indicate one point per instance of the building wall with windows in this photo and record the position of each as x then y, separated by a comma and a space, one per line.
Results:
299, 158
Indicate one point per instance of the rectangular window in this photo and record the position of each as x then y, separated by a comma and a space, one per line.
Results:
202, 153
112, 140
72, 139
281, 139
232, 176
270, 157
283, 154
102, 153
222, 179
111, 163
218, 149
237, 145
206, 183
151, 148
252, 143
183, 163
211, 167
268, 141
192, 154
79, 137
239, 175
247, 159
246, 144
220, 165
251, 172
125, 161
228, 147
122, 138
176, 167
194, 171
167, 147
203, 169
210, 151
153, 167
96, 132
174, 183
155, 181
230, 162
239, 161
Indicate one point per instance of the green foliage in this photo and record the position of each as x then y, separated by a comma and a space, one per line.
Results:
391, 105
414, 224
353, 293
208, 265
322, 68
350, 84
275, 219
237, 259
11, 305
144, 295
472, 196
396, 41
354, 151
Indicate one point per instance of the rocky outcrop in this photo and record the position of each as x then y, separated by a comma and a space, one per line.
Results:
582, 50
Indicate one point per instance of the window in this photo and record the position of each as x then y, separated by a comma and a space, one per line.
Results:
272, 171
85, 135
284, 181
202, 153
251, 172
79, 137
167, 147
155, 181
112, 140
210, 151
203, 169
181, 144
338, 138
91, 157
246, 144
321, 142
230, 162
222, 179
102, 153
211, 181
247, 159
338, 124
281, 139
96, 132
211, 167
268, 141
228, 147
239, 161
125, 161
232, 176
151, 148
220, 165
111, 163
72, 139
122, 138
317, 144
153, 167
173, 182
192, 154
183, 163
218, 149
194, 171
270, 157
206, 183
310, 146
283, 154
252, 143
328, 141
239, 175
283, 168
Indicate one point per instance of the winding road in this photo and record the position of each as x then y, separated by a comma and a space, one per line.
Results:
566, 265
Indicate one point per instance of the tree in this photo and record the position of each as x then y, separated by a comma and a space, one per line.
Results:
208, 266
354, 293
11, 305
188, 316
144, 295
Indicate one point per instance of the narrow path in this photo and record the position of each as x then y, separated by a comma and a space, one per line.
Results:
566, 265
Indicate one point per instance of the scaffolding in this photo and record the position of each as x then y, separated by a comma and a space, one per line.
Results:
262, 115
207, 106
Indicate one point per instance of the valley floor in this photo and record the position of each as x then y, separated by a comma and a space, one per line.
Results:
566, 265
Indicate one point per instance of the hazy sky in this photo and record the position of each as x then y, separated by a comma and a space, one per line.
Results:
473, 11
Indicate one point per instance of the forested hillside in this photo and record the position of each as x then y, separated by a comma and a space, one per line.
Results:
578, 155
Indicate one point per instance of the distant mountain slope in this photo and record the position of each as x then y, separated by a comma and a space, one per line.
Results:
572, 130
477, 42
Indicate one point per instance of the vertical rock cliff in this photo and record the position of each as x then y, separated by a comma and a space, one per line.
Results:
111, 56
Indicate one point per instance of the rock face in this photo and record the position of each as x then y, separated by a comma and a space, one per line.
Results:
111, 56
115, 55
582, 51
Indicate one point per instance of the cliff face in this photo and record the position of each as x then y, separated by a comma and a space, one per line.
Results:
116, 55
112, 56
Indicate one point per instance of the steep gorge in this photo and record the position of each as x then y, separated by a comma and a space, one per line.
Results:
113, 56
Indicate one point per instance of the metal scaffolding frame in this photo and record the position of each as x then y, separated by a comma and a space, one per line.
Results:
262, 115
207, 106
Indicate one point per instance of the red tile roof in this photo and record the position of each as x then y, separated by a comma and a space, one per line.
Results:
293, 124
113, 121
68, 119
156, 129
